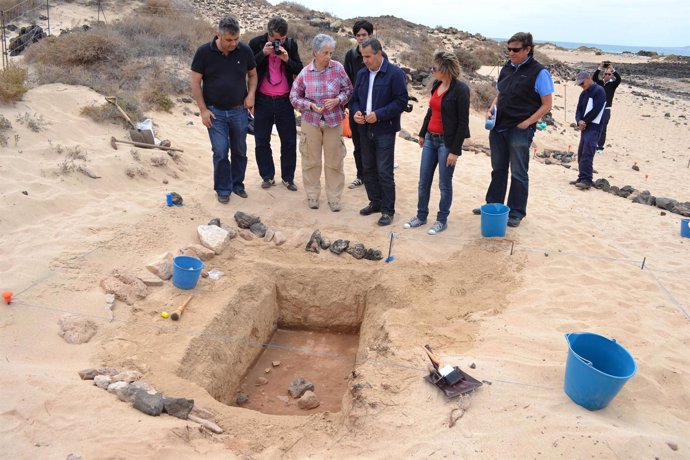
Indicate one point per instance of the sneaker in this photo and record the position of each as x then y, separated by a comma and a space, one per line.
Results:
268, 183
584, 185
241, 193
334, 205
290, 185
414, 223
477, 211
355, 183
514, 221
369, 209
385, 219
437, 228
224, 198
574, 182
313, 203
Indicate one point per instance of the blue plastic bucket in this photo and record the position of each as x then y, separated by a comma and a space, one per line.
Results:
494, 219
685, 228
186, 271
596, 370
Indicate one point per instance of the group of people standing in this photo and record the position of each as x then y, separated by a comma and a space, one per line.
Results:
267, 77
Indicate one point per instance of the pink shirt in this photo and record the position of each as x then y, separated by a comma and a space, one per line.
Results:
275, 83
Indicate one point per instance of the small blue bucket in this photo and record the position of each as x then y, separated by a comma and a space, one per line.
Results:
596, 370
494, 219
186, 271
685, 228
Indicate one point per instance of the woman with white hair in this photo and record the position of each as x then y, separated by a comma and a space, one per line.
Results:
320, 93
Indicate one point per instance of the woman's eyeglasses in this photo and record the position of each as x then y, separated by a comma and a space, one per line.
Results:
608, 74
515, 50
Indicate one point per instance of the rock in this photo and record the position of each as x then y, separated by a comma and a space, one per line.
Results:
549, 161
148, 403
269, 235
279, 238
73, 456
241, 399
258, 229
125, 287
275, 363
314, 243
75, 329
645, 197
682, 209
232, 231
177, 199
635, 167
602, 184
339, 246
325, 242
246, 234
373, 254
215, 221
213, 237
625, 191
261, 381
309, 400
358, 251
127, 376
245, 220
119, 389
130, 393
198, 251
91, 373
666, 203
672, 445
102, 381
162, 266
299, 386
178, 407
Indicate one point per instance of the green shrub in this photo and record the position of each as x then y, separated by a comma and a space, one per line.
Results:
12, 83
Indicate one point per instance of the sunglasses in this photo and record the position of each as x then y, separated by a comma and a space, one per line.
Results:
434, 68
515, 50
608, 74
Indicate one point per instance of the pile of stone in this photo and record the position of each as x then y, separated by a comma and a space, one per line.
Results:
251, 226
644, 197
128, 387
317, 241
557, 157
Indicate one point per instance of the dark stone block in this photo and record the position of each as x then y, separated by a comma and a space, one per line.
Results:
150, 404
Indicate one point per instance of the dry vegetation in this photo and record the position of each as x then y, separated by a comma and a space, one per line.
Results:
12, 83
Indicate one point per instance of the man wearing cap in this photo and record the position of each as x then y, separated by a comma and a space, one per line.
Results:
610, 83
589, 113
525, 94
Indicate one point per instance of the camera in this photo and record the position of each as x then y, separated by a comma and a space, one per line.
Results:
606, 63
276, 47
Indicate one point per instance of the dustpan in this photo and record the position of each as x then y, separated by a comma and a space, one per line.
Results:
465, 384
137, 133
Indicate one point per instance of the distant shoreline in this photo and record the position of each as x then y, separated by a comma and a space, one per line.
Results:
618, 49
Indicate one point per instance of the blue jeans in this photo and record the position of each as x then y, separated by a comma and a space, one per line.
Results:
604, 123
435, 153
585, 152
228, 132
268, 112
510, 148
378, 153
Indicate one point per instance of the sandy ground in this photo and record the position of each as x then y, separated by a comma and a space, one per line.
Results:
575, 266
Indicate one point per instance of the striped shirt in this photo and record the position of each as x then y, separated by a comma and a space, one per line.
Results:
314, 86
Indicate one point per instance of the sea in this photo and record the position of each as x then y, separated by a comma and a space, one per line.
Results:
666, 50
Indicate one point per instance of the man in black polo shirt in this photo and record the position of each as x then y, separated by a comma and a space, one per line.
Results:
223, 86
525, 94
277, 64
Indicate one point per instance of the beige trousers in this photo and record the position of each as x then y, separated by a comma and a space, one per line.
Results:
313, 141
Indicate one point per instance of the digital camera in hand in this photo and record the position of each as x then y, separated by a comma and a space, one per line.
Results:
276, 47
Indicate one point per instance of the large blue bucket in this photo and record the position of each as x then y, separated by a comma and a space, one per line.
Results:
494, 219
685, 228
186, 271
596, 370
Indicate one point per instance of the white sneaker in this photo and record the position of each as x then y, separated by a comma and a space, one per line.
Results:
438, 227
413, 223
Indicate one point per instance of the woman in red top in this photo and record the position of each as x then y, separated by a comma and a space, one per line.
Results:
445, 128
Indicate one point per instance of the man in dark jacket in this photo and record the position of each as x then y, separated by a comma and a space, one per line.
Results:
362, 30
610, 83
277, 63
525, 94
378, 100
588, 115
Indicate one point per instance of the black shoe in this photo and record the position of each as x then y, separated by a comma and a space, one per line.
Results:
477, 211
268, 183
514, 221
584, 185
385, 220
241, 193
290, 185
574, 182
370, 209
224, 198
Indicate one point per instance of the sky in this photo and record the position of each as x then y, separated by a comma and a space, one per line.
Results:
609, 22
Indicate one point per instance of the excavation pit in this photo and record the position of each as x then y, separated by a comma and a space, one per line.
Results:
310, 322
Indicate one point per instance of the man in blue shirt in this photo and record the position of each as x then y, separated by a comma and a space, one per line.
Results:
525, 94
589, 114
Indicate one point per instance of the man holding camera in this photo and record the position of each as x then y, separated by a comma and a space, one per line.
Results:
610, 83
277, 63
